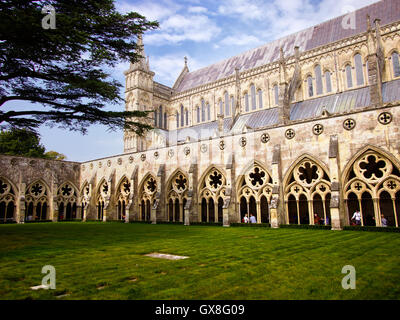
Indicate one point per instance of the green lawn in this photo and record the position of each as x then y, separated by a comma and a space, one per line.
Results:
224, 263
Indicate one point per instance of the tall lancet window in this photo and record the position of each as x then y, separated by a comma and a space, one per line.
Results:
208, 111
359, 69
276, 94
198, 114
187, 116
233, 104
203, 111
182, 117
318, 79
260, 99
227, 109
221, 107
165, 120
328, 81
253, 97
310, 86
396, 64
349, 76
246, 101
160, 121
155, 118
177, 120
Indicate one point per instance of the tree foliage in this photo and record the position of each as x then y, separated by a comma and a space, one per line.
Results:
63, 69
26, 143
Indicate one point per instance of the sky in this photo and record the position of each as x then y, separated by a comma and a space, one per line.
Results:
205, 32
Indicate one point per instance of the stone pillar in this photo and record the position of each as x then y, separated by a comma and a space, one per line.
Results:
54, 214
225, 213
153, 212
277, 208
335, 183
274, 212
187, 211
20, 218
375, 60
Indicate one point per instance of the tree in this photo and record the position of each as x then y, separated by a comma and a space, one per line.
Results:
21, 142
54, 155
63, 69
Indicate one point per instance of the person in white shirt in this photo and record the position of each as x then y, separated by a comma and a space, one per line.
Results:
253, 219
246, 219
357, 217
384, 221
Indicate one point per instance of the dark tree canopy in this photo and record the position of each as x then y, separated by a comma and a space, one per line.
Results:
63, 69
22, 142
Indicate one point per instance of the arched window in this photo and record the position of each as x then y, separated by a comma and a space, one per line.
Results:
165, 120
198, 114
260, 102
155, 118
227, 110
253, 97
187, 116
160, 119
328, 81
182, 117
359, 69
208, 111
396, 64
310, 86
233, 104
221, 107
276, 94
372, 189
246, 101
203, 111
349, 76
307, 194
177, 120
318, 79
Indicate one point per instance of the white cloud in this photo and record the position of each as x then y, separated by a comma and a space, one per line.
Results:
151, 10
197, 9
241, 40
179, 28
168, 67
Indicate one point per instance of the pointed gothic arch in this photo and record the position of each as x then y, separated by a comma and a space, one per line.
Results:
8, 193
67, 200
176, 195
372, 187
307, 192
147, 195
122, 193
103, 192
254, 192
37, 199
211, 189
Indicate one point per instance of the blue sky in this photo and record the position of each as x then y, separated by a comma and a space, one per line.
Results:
206, 32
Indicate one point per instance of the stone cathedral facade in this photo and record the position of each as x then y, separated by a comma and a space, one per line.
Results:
302, 130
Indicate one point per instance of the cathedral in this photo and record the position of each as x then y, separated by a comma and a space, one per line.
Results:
302, 130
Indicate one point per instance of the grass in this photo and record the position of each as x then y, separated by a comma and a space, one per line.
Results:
106, 261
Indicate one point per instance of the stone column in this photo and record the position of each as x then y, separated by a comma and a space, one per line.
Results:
277, 207
335, 183
20, 218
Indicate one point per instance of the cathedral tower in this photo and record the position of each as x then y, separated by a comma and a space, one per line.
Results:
138, 96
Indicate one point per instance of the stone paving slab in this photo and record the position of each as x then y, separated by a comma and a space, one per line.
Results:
165, 256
